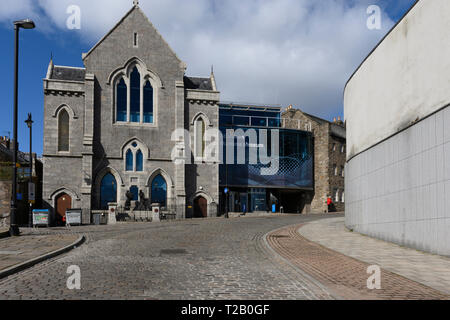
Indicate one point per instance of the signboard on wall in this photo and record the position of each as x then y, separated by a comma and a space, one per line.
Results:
40, 217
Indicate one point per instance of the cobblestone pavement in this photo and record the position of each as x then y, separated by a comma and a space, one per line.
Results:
192, 259
342, 275
14, 251
428, 269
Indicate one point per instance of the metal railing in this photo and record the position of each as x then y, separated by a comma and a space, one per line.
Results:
266, 122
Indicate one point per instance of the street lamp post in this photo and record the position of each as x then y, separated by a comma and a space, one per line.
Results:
29, 123
25, 24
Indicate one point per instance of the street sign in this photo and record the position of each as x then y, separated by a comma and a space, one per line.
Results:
19, 196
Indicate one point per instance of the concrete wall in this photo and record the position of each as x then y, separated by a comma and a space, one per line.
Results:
406, 78
399, 190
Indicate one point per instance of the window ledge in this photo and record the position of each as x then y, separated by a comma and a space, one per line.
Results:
135, 124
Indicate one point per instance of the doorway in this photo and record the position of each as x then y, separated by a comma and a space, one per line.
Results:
63, 203
200, 208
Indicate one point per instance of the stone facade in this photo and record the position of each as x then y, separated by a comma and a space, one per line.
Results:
329, 158
98, 142
5, 202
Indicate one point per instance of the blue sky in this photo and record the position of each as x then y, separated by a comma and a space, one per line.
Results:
298, 52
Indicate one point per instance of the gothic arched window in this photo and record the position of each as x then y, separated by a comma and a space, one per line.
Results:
139, 161
108, 191
121, 97
148, 103
63, 131
135, 96
129, 161
134, 156
200, 143
159, 190
135, 92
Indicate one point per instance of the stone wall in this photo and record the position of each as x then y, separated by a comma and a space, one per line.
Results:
325, 181
321, 163
5, 202
337, 157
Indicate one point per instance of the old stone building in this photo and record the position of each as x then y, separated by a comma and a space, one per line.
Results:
329, 158
23, 177
110, 127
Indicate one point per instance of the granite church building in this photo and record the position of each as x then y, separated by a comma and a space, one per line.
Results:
108, 127
114, 130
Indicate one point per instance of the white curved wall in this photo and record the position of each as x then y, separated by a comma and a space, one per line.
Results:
405, 78
399, 190
398, 175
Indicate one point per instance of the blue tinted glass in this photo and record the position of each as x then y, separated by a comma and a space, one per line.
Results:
276, 123
135, 191
139, 161
259, 122
129, 161
241, 121
148, 103
294, 165
108, 191
121, 101
135, 96
159, 190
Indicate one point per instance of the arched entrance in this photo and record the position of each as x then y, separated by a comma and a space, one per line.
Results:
108, 191
200, 208
159, 191
63, 203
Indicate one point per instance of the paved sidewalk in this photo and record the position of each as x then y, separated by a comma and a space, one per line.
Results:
15, 251
345, 277
428, 269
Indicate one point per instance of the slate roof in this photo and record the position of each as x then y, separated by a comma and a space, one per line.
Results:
198, 83
338, 131
68, 73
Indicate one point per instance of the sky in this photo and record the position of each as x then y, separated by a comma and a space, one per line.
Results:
283, 52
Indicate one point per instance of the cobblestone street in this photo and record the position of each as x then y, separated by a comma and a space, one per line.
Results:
240, 258
193, 259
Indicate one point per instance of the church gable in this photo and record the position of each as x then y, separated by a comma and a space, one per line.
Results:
134, 36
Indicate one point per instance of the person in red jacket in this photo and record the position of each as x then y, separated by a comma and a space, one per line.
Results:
329, 203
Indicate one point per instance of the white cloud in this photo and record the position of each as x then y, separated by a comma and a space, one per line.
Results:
297, 52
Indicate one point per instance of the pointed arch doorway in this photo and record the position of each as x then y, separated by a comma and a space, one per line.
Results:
63, 203
200, 207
